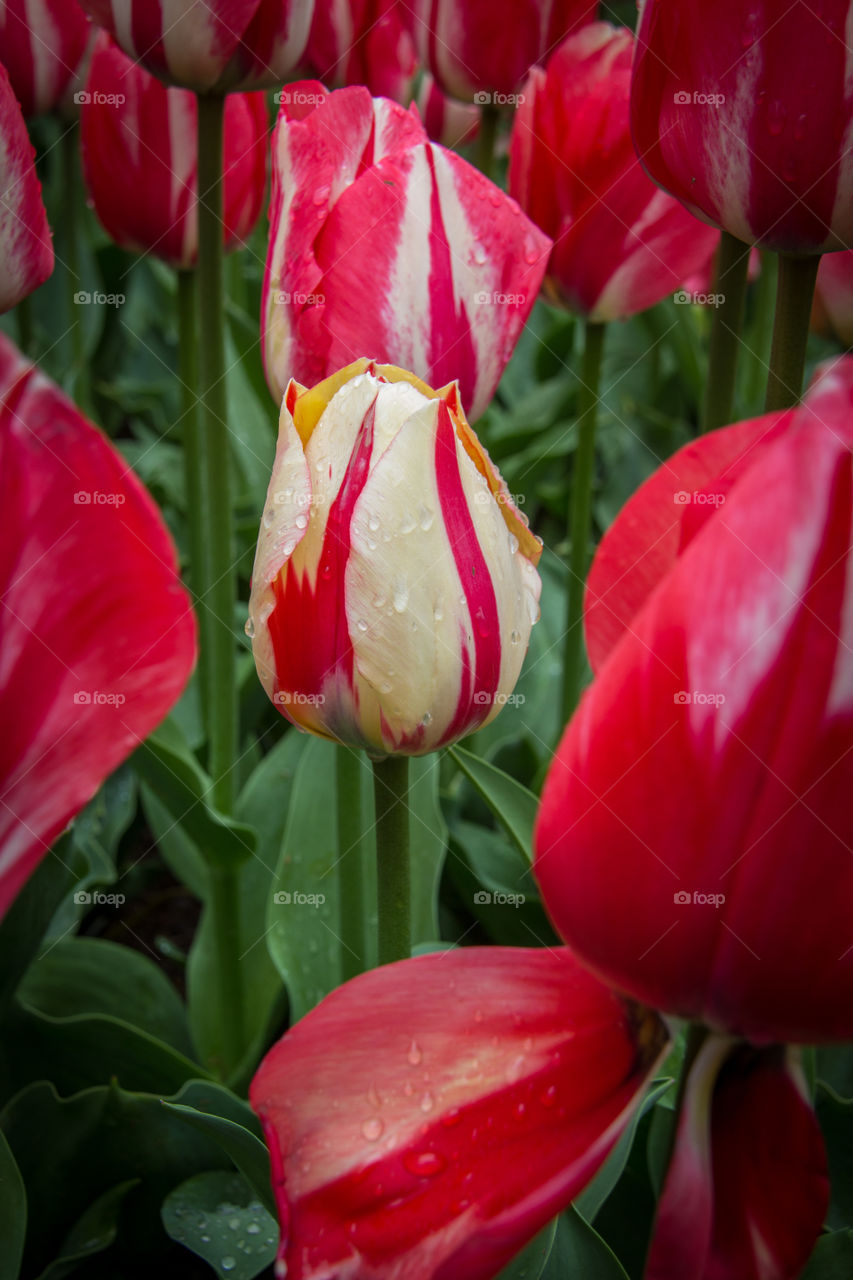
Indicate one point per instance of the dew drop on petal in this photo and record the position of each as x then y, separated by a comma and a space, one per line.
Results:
372, 1129
250, 627
269, 518
424, 1164
253, 1229
451, 1117
228, 1263
548, 1096
322, 194
427, 1103
362, 624
373, 524
478, 253
301, 522
414, 1056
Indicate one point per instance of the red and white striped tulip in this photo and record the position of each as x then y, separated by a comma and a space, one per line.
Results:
720, 122
363, 42
734, 678
482, 50
97, 634
395, 586
428, 1118
26, 249
133, 125
620, 244
217, 45
446, 120
42, 43
384, 242
833, 299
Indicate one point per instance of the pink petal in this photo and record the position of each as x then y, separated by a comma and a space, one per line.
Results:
429, 1117
97, 637
42, 45
26, 251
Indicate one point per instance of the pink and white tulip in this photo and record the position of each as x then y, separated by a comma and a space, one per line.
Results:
381, 241
42, 43
395, 586
26, 249
362, 42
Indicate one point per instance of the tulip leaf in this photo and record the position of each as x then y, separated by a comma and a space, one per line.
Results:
832, 1258
836, 1121
173, 772
241, 1143
217, 1217
511, 803
593, 1196
13, 1214
253, 426
531, 1262
580, 1251
94, 1232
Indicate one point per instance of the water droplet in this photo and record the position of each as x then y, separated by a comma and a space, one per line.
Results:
401, 597
424, 1164
478, 253
531, 253
426, 518
322, 194
269, 518
515, 1069
414, 1056
427, 1103
513, 544
253, 1229
378, 602
371, 544
326, 571
520, 1110
776, 114
233, 1223
373, 1129
438, 610
362, 624
228, 1263
426, 718
482, 627
205, 1239
800, 127
451, 1117
385, 686
548, 1096
250, 627
373, 524
301, 522
514, 637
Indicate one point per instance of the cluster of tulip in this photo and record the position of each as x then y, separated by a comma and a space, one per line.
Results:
692, 844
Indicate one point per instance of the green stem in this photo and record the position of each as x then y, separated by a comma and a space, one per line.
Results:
797, 275
218, 588
579, 515
350, 882
72, 194
197, 516
761, 333
697, 1034
225, 920
24, 317
393, 875
726, 331
487, 137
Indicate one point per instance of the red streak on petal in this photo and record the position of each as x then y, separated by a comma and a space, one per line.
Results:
451, 350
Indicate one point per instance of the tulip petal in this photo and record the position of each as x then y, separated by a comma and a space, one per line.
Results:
658, 521
43, 42
97, 636
735, 680
26, 251
747, 1190
387, 1107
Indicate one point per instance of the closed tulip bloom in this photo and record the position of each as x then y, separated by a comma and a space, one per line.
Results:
134, 125
41, 45
721, 122
446, 121
620, 244
206, 45
26, 250
474, 47
362, 42
732, 679
381, 241
395, 585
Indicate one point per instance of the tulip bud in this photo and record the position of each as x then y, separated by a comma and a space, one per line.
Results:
41, 46
362, 42
26, 252
395, 585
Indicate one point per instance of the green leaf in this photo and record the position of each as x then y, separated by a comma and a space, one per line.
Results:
580, 1252
832, 1258
245, 1148
216, 1216
94, 1232
836, 1122
593, 1196
172, 771
511, 803
533, 1259
92, 975
253, 426
13, 1214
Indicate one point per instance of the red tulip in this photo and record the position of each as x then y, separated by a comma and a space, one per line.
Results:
429, 1117
446, 121
833, 300
620, 244
362, 42
41, 45
721, 122
26, 250
133, 126
712, 749
479, 49
395, 585
215, 45
384, 243
96, 632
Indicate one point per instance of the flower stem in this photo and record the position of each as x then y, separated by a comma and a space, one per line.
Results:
351, 886
71, 187
797, 275
197, 518
761, 332
222, 903
486, 139
218, 588
726, 331
393, 876
579, 515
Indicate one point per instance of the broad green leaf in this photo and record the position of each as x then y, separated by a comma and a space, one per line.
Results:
253, 427
533, 1259
580, 1252
511, 916
836, 1122
217, 1216
832, 1258
95, 1231
496, 861
92, 975
242, 1144
593, 1196
13, 1214
511, 803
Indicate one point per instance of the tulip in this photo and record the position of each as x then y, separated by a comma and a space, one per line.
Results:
428, 1118
446, 121
721, 123
26, 251
833, 301
620, 244
41, 46
133, 125
394, 586
220, 45
362, 42
97, 634
476, 50
381, 241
